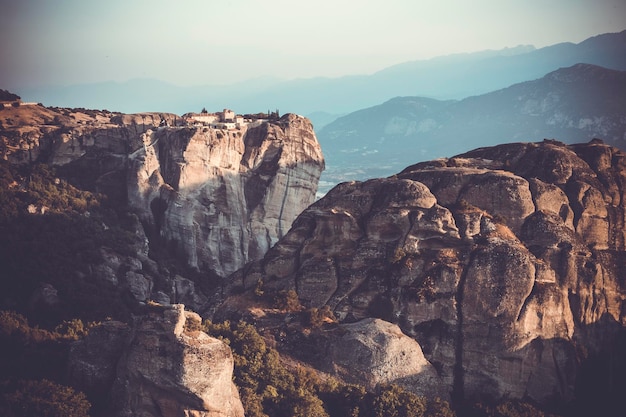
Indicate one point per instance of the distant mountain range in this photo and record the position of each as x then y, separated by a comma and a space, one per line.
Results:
574, 104
450, 77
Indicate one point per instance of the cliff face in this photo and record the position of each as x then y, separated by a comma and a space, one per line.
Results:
225, 196
504, 263
220, 197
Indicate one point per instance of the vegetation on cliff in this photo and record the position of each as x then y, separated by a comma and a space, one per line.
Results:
33, 367
273, 386
51, 235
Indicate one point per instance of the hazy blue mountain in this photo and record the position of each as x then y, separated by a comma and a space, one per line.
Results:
574, 104
322, 118
450, 77
463, 75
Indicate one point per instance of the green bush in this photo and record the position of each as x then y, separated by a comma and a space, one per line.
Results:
394, 401
316, 317
287, 301
43, 398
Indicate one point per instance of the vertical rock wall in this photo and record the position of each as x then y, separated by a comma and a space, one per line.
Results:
224, 197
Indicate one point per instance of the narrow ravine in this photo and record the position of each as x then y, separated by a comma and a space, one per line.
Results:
458, 384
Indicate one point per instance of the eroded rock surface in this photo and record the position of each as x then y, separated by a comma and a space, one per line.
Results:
225, 196
160, 366
170, 368
505, 263
217, 197
374, 352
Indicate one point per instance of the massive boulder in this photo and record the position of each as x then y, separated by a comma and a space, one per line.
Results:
374, 352
161, 366
504, 263
170, 368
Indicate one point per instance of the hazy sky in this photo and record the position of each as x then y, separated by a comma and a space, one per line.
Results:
192, 42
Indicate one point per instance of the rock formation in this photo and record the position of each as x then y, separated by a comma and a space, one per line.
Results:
373, 352
93, 360
163, 365
503, 263
219, 197
225, 196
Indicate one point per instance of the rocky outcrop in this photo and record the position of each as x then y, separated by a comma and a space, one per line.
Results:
162, 365
374, 352
225, 196
218, 197
503, 263
171, 368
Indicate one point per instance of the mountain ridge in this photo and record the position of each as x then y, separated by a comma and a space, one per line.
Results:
575, 104
473, 75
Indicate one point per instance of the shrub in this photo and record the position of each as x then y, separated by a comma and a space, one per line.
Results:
258, 289
394, 401
73, 329
398, 255
44, 398
269, 388
16, 326
287, 300
316, 317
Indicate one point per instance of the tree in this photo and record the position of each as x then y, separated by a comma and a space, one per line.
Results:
394, 401
287, 300
44, 398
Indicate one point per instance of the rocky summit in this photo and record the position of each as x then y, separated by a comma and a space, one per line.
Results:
505, 264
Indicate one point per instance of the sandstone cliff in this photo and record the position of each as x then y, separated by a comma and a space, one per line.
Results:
162, 365
505, 263
225, 196
217, 197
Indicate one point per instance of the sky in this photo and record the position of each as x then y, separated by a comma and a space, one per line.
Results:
208, 42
